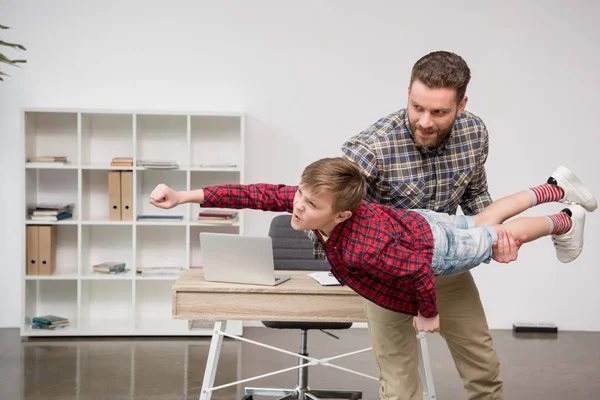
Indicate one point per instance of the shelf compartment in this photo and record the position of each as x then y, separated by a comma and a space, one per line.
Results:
66, 255
51, 134
153, 308
95, 196
201, 179
101, 243
215, 140
195, 249
51, 186
162, 137
105, 136
147, 180
55, 297
106, 306
161, 246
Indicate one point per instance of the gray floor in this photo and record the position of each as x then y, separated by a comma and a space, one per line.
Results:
557, 367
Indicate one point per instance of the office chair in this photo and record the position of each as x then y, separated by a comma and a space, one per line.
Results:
293, 250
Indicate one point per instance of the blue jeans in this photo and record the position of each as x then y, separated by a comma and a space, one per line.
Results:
458, 244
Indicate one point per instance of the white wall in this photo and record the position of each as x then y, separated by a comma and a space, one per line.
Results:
310, 74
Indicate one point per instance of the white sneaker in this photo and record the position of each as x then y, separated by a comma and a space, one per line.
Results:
569, 245
575, 192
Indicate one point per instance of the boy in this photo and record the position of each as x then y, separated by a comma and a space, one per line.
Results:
388, 255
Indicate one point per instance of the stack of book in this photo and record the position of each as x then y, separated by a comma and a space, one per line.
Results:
220, 217
49, 159
158, 164
110, 267
50, 212
122, 162
49, 322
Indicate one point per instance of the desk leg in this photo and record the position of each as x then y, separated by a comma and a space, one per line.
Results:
213, 360
425, 368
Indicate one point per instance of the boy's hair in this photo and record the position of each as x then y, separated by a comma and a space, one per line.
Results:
339, 177
442, 69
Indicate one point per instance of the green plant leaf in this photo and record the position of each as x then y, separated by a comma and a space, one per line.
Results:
13, 45
4, 59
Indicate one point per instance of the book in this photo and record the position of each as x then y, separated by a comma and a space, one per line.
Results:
50, 320
109, 267
218, 165
122, 162
217, 221
48, 159
158, 271
218, 214
50, 327
148, 217
51, 218
123, 159
46, 208
157, 164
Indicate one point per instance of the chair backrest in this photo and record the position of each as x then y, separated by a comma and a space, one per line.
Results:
292, 249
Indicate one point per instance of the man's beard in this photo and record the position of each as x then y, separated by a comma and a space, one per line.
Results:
431, 141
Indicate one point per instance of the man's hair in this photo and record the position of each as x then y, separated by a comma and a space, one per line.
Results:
442, 69
339, 177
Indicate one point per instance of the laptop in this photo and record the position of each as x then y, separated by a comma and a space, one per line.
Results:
239, 259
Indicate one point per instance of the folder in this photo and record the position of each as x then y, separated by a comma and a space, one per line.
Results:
47, 249
114, 195
32, 250
127, 195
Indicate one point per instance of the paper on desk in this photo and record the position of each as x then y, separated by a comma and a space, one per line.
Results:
324, 278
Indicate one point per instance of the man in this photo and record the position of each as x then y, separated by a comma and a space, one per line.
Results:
432, 155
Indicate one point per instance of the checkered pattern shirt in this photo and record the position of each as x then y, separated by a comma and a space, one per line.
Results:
403, 175
382, 253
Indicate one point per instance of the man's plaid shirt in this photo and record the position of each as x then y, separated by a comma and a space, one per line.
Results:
382, 253
404, 175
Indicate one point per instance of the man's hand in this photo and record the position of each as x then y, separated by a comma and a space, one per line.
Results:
164, 197
506, 249
429, 325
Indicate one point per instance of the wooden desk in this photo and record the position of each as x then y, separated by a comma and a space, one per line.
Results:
299, 299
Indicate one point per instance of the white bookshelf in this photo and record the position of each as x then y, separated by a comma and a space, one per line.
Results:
209, 148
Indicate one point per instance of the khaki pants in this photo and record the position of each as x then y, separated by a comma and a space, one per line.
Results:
464, 327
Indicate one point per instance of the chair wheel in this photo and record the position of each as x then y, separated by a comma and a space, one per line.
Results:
247, 397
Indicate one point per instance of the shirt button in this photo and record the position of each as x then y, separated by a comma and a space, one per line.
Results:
408, 192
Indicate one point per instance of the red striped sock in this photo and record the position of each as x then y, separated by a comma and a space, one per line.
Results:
560, 223
546, 193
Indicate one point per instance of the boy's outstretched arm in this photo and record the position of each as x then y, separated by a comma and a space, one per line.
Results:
264, 197
395, 261
164, 197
